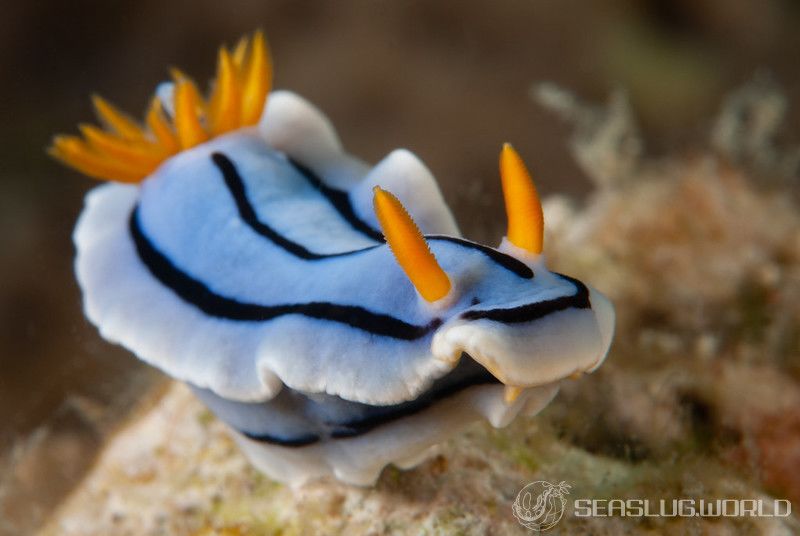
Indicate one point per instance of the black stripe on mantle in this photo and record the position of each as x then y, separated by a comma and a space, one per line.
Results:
535, 310
201, 296
340, 201
467, 374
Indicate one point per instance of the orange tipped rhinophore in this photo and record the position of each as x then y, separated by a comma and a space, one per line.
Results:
410, 248
523, 208
127, 152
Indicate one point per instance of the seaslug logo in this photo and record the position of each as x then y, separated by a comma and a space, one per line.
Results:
540, 505
682, 508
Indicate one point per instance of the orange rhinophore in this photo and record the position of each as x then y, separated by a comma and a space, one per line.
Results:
410, 248
523, 208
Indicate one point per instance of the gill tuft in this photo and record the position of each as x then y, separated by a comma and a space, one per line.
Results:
127, 151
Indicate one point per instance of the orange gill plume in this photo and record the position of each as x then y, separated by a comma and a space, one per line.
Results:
523, 207
126, 151
410, 247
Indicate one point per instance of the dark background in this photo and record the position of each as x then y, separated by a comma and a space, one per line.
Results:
449, 80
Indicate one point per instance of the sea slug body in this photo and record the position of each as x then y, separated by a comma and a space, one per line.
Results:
330, 313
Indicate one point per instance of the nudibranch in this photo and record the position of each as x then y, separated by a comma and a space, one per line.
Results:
329, 312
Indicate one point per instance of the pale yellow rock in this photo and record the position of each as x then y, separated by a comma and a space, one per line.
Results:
175, 471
